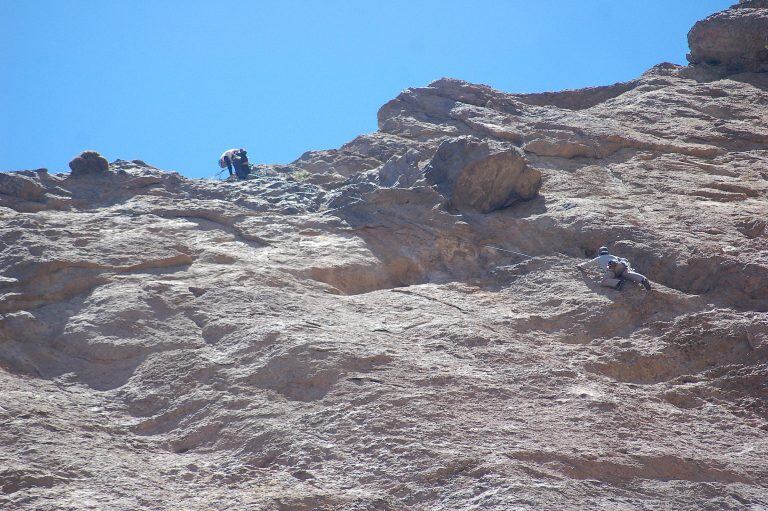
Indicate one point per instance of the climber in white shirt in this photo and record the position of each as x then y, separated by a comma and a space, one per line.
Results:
237, 160
616, 270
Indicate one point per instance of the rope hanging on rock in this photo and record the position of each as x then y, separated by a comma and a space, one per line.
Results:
356, 201
507, 250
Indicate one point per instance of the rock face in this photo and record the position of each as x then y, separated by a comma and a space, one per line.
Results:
22, 186
735, 40
384, 326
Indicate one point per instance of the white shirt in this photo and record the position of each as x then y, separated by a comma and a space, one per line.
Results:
227, 154
601, 260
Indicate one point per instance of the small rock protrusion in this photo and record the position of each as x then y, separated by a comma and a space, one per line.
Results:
751, 227
88, 163
197, 291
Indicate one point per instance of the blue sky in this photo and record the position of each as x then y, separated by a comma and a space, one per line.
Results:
176, 82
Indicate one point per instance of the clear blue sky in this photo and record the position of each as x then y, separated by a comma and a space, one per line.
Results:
176, 82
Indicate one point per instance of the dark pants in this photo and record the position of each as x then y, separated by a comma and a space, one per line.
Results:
612, 278
241, 168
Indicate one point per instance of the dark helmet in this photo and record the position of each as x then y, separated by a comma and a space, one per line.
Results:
602, 251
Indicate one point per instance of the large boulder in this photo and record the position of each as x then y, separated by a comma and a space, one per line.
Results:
734, 40
480, 177
88, 163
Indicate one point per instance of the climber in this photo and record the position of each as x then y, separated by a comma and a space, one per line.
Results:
617, 270
237, 159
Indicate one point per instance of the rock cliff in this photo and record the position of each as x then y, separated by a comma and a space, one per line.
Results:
398, 323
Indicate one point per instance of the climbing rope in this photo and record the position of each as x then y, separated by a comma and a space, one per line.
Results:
356, 201
216, 175
510, 251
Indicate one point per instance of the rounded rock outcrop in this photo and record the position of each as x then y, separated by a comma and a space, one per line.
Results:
88, 163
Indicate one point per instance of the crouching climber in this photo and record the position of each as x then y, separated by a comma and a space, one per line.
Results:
237, 160
617, 270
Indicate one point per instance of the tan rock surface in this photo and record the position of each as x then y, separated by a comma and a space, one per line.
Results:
332, 334
735, 40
